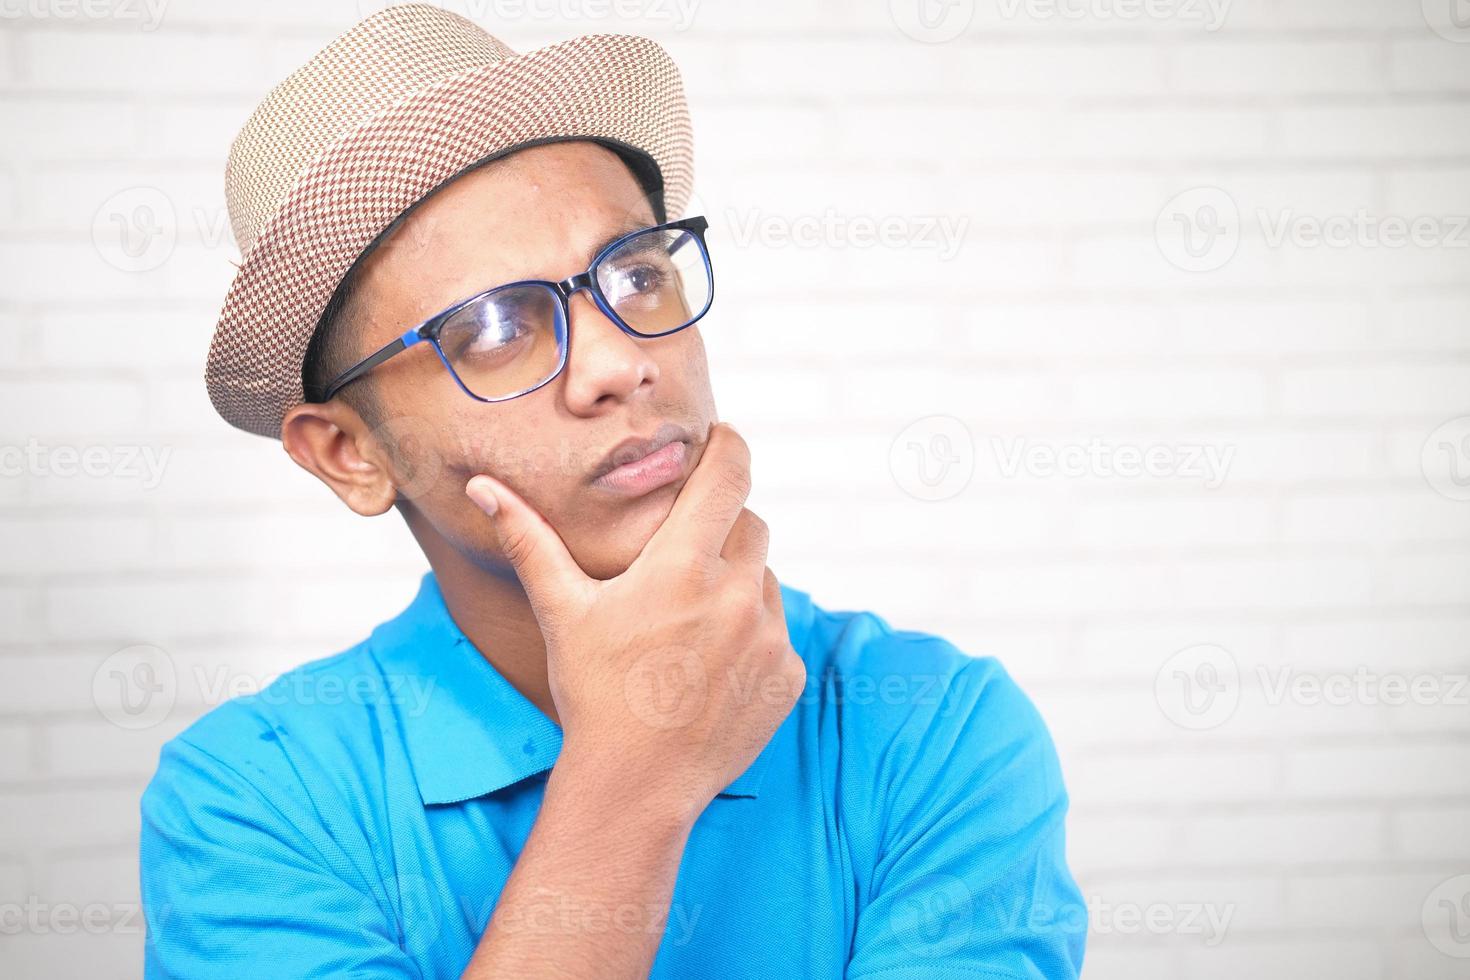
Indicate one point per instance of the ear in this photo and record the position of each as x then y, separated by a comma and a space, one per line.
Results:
332, 442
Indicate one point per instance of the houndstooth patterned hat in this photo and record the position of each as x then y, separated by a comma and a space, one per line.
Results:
406, 100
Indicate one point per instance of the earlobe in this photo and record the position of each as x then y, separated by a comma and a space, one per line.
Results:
331, 442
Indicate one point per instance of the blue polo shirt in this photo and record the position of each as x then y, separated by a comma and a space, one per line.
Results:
360, 816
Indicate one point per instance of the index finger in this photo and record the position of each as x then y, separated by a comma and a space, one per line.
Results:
711, 499
553, 580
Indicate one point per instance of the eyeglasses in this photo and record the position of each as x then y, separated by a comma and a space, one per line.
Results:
510, 340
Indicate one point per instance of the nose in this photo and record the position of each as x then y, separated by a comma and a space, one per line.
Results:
605, 366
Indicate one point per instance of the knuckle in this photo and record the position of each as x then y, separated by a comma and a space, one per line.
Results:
795, 666
793, 673
696, 570
771, 591
742, 607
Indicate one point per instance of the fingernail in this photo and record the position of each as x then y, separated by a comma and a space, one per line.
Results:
482, 492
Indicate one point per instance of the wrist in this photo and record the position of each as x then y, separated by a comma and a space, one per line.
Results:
610, 790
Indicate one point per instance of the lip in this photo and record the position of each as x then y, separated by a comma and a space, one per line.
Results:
636, 466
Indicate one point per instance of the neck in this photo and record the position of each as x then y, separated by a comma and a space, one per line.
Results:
491, 609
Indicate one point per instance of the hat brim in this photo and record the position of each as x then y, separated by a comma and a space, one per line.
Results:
614, 88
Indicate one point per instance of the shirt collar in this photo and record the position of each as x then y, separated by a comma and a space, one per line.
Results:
469, 732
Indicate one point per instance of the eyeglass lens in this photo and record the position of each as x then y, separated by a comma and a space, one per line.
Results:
513, 338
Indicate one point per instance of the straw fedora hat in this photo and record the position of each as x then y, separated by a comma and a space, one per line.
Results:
403, 102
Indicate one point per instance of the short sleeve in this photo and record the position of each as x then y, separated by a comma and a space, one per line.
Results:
971, 877
233, 888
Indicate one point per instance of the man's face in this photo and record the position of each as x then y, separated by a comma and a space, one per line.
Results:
541, 213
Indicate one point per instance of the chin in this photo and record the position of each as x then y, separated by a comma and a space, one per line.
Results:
603, 565
614, 547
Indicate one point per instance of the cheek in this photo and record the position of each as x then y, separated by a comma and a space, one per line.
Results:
543, 472
444, 439
684, 369
416, 458
538, 466
546, 471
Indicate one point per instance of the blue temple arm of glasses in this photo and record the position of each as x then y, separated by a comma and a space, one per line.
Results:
409, 338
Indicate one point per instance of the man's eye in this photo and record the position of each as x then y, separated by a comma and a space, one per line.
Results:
636, 280
488, 330
498, 326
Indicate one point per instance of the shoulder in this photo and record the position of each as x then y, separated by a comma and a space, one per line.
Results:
266, 742
268, 803
323, 696
904, 673
950, 799
911, 706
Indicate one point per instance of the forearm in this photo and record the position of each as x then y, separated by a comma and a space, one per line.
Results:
589, 895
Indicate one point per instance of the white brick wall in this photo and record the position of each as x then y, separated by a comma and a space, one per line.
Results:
1028, 288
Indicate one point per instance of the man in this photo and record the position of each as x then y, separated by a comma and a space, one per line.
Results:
602, 741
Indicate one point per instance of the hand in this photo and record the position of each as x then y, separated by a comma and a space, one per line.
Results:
673, 675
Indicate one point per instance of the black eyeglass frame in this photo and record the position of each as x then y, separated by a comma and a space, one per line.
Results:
429, 329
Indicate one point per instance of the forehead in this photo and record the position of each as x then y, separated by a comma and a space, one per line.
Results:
539, 213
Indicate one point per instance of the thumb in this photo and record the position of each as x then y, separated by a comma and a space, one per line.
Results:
540, 558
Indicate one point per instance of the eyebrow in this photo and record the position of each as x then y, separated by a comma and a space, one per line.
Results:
627, 229
595, 251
